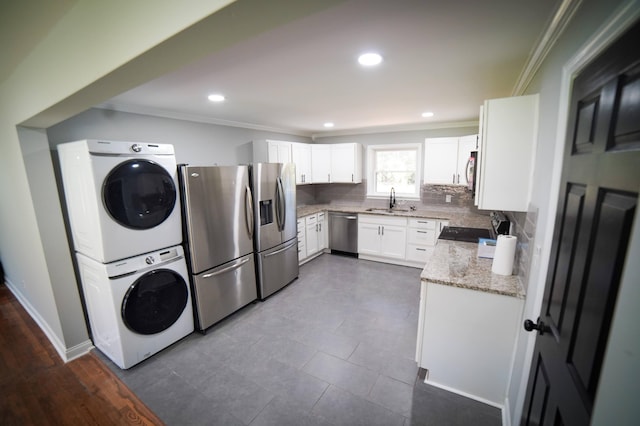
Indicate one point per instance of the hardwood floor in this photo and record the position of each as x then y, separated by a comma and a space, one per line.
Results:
36, 387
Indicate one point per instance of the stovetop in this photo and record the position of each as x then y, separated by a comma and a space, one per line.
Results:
458, 233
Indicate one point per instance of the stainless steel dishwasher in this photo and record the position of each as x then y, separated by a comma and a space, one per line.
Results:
343, 233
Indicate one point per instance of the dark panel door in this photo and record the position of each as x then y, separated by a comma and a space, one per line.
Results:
597, 201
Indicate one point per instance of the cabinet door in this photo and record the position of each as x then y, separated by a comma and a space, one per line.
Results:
393, 241
301, 156
322, 232
320, 163
369, 238
440, 160
343, 163
507, 149
466, 144
279, 151
311, 222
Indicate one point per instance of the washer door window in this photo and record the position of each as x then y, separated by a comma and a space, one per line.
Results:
154, 302
139, 194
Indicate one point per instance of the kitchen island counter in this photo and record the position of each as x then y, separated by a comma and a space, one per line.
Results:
455, 263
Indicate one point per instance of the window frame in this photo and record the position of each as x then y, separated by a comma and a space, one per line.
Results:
371, 169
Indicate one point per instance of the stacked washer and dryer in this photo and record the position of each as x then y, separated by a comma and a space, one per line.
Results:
125, 217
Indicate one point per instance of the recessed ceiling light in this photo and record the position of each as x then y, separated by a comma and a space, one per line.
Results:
216, 98
369, 59
328, 124
427, 114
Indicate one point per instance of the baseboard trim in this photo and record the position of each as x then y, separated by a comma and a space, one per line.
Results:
66, 354
465, 394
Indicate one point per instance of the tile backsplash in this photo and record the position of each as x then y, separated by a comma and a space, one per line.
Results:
524, 226
350, 194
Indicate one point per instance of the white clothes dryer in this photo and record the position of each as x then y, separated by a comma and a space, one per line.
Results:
122, 197
137, 306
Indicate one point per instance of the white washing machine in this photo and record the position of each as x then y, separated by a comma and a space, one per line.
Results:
122, 197
137, 306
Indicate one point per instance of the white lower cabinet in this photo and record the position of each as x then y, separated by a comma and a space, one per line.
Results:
460, 352
400, 240
381, 236
312, 236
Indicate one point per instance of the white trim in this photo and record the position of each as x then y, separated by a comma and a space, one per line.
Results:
156, 112
65, 354
545, 43
465, 394
396, 128
609, 31
506, 414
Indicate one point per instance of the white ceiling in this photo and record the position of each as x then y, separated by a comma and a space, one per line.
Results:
440, 56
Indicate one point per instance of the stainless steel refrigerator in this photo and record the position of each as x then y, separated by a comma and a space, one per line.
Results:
218, 229
276, 240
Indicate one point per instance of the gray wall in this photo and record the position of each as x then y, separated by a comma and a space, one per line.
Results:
195, 143
588, 19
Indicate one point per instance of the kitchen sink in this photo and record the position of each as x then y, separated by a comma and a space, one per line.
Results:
379, 210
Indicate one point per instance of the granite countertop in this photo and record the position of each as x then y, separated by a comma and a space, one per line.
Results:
456, 264
455, 216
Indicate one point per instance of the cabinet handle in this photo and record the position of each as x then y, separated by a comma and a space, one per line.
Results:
458, 178
328, 178
420, 249
454, 178
382, 230
422, 232
351, 177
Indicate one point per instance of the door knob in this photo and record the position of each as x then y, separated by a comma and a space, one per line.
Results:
538, 325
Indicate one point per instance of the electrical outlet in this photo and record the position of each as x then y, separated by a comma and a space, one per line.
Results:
447, 198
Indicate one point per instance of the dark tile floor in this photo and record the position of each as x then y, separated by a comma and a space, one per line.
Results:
335, 347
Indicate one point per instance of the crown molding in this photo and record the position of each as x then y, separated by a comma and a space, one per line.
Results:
396, 128
156, 112
547, 40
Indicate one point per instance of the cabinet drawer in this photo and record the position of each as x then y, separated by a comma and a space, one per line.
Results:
421, 236
311, 220
423, 223
418, 253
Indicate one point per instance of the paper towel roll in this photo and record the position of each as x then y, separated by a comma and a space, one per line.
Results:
504, 255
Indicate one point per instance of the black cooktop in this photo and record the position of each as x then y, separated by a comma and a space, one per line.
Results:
458, 233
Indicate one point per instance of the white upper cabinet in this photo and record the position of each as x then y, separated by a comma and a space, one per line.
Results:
278, 152
508, 133
321, 163
440, 160
445, 159
301, 155
346, 163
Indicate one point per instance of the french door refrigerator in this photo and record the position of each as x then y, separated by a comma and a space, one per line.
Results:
276, 240
218, 229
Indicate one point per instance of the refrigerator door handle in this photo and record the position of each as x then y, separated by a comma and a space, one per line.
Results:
227, 269
282, 249
248, 211
281, 206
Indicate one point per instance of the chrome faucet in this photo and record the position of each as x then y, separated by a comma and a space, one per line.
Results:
392, 198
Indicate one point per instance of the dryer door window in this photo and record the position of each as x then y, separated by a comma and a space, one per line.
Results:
139, 194
154, 302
